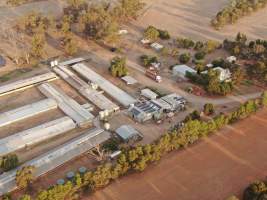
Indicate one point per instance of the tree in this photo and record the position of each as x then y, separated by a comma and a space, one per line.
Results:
129, 8
185, 58
118, 67
254, 191
164, 35
264, 98
70, 46
151, 33
200, 55
208, 109
25, 197
24, 176
97, 23
9, 162
38, 43
7, 197
237, 75
148, 60
232, 198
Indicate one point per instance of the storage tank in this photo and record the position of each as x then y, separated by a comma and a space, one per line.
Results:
107, 126
101, 115
106, 113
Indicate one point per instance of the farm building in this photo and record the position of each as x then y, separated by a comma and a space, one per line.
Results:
144, 111
129, 80
181, 70
224, 75
175, 101
154, 109
116, 93
56, 157
149, 94
128, 133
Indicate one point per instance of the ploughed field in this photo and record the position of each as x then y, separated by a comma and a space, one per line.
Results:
191, 18
221, 165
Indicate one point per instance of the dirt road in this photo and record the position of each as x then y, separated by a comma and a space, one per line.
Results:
215, 168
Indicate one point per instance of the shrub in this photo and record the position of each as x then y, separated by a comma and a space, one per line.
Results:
151, 33
164, 35
185, 58
208, 109
200, 55
118, 67
9, 162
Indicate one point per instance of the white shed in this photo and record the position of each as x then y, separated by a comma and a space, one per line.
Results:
181, 70
149, 94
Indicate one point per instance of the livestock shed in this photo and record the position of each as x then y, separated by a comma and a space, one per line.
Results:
181, 71
128, 133
56, 157
27, 111
118, 94
93, 95
34, 135
26, 83
68, 105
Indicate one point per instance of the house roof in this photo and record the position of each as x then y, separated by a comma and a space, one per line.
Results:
182, 69
129, 80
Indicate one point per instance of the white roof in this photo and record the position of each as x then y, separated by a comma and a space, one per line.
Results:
129, 80
156, 46
115, 92
182, 69
149, 93
127, 132
123, 31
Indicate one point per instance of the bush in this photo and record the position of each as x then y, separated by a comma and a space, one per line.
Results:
148, 60
200, 55
208, 109
185, 58
185, 43
151, 33
164, 35
9, 162
118, 67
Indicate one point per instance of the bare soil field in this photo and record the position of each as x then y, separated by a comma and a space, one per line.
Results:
191, 18
215, 168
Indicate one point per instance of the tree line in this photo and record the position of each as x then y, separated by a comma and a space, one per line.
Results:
138, 158
235, 10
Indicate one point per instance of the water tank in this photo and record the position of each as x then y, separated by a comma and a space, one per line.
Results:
101, 115
94, 86
106, 113
107, 126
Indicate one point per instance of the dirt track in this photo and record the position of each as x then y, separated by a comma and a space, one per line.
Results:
213, 169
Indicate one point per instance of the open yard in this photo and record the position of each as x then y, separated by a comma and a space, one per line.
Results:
215, 168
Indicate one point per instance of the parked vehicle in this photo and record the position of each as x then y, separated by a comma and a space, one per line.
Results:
153, 74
